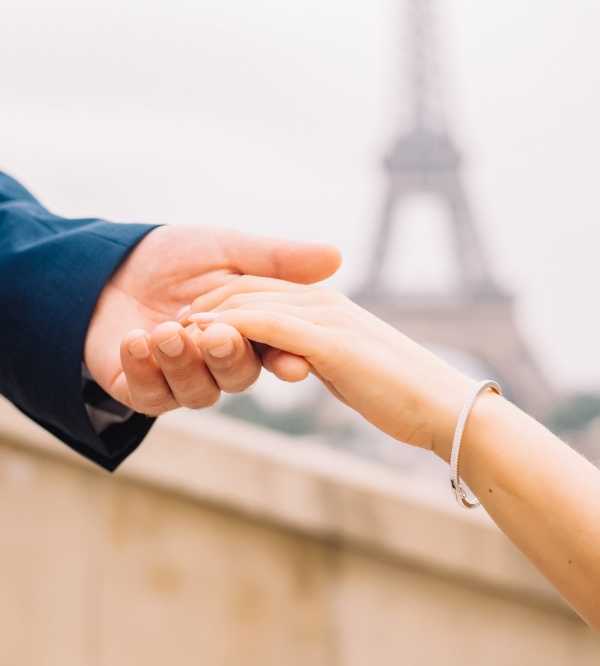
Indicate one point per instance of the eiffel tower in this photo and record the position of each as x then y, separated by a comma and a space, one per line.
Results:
477, 318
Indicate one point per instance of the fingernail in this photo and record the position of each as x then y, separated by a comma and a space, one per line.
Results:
221, 351
138, 348
172, 347
185, 310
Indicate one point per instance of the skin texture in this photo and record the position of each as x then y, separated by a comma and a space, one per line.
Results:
540, 492
137, 351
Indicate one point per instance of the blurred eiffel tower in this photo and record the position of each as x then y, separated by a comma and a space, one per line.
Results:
476, 318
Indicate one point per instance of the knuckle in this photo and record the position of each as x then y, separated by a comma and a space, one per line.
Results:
223, 364
193, 389
179, 374
229, 365
190, 389
240, 385
201, 399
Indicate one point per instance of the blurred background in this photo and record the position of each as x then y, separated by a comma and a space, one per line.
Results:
449, 148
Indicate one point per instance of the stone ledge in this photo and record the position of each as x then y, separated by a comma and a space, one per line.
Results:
302, 485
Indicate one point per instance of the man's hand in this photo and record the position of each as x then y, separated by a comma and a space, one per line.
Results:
173, 366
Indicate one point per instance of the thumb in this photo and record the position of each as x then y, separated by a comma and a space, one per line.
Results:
286, 260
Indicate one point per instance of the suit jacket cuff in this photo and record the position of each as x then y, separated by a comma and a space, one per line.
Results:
52, 272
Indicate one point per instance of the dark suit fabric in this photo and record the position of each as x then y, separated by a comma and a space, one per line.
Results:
52, 271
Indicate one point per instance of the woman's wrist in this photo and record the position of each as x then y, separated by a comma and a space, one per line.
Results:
447, 409
480, 421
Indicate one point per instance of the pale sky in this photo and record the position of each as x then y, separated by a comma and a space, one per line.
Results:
271, 116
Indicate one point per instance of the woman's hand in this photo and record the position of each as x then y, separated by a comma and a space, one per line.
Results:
543, 495
393, 382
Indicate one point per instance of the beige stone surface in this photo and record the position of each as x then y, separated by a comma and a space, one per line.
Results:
223, 544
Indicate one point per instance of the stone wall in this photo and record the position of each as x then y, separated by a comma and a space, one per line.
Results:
222, 544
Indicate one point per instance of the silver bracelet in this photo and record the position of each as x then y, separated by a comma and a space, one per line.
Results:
460, 491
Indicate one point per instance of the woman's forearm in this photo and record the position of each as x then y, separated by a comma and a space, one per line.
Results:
541, 493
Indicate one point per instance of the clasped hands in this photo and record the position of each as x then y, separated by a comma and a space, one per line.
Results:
140, 354
174, 326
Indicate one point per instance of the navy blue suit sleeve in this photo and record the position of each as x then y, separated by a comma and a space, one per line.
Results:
52, 271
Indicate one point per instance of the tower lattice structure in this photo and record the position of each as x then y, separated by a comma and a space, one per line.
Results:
477, 317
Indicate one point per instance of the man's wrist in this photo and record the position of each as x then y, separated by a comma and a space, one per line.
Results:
102, 409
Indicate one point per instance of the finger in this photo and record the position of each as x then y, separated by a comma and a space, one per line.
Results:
182, 365
316, 314
141, 385
243, 284
271, 327
297, 262
287, 367
258, 299
251, 289
229, 357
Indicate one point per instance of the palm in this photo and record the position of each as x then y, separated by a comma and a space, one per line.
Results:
164, 273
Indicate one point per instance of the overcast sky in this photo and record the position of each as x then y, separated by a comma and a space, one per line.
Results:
272, 116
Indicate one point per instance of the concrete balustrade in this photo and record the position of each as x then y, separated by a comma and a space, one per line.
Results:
219, 543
